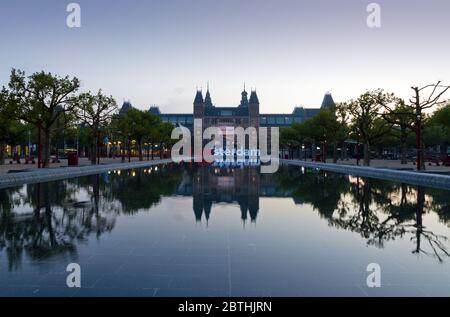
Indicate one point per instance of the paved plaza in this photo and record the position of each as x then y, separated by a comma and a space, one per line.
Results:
391, 164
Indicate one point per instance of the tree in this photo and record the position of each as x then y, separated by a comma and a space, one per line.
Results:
121, 131
434, 93
95, 111
140, 125
365, 118
165, 134
41, 99
401, 116
442, 116
289, 139
343, 130
11, 130
324, 129
5, 122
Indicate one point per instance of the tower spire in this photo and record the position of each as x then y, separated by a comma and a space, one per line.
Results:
208, 101
244, 98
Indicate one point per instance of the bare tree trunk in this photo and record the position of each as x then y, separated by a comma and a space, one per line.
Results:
366, 154
403, 139
46, 159
404, 159
422, 155
94, 150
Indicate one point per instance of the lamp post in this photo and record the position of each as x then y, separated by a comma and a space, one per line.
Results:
304, 151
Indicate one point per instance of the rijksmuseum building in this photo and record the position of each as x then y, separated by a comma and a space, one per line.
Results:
243, 115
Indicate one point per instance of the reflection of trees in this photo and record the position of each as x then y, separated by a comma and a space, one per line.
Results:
377, 210
440, 204
9, 198
141, 188
322, 190
52, 222
434, 241
360, 212
382, 215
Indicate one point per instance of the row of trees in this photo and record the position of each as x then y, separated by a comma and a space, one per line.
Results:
50, 107
377, 118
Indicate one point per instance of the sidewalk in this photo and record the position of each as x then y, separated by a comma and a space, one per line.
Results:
63, 172
63, 163
392, 164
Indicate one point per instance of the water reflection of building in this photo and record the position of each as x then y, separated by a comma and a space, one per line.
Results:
242, 186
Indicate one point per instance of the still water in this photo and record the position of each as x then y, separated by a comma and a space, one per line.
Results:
179, 230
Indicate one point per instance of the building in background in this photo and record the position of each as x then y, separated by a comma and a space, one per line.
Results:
246, 114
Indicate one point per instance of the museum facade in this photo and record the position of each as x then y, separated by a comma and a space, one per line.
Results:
245, 114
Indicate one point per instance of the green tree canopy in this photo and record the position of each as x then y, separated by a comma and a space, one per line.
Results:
41, 98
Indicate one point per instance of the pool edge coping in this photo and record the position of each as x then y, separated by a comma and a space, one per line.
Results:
409, 177
58, 173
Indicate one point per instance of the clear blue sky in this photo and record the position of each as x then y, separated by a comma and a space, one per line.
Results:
292, 51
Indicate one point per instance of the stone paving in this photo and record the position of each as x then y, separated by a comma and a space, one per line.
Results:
392, 164
396, 164
6, 167
384, 169
35, 175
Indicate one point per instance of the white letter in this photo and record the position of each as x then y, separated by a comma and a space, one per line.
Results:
273, 158
217, 141
374, 18
184, 144
198, 140
241, 142
374, 278
74, 278
73, 20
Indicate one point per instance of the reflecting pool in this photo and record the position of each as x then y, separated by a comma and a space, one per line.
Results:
181, 230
